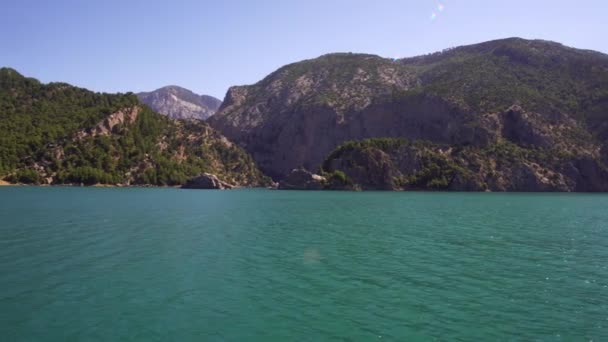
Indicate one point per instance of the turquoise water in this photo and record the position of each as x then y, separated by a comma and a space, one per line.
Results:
175, 265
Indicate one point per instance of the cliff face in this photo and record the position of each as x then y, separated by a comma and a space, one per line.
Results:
533, 94
125, 116
179, 103
295, 116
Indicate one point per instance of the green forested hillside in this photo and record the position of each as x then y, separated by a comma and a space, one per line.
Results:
58, 134
542, 76
33, 115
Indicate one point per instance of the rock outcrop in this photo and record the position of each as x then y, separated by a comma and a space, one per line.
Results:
301, 179
124, 116
179, 103
206, 181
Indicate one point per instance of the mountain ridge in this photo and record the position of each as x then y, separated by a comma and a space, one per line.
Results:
531, 111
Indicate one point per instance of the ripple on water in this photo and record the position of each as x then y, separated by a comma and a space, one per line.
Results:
163, 264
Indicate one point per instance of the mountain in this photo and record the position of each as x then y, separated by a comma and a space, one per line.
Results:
59, 134
529, 97
179, 103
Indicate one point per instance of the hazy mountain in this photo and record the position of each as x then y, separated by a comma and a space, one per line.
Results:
501, 110
179, 103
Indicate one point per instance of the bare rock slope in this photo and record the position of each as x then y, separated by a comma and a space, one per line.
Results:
179, 103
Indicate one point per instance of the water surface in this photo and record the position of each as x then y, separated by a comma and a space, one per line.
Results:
167, 264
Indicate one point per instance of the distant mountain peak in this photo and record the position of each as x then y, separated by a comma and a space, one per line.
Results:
180, 103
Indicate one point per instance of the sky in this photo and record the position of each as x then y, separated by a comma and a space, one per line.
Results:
208, 46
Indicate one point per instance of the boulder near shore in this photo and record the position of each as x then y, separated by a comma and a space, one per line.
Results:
207, 181
301, 179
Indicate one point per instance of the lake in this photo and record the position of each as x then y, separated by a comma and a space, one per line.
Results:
117, 264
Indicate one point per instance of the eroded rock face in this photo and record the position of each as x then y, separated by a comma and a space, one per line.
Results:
588, 175
206, 181
301, 179
526, 128
295, 116
106, 126
304, 136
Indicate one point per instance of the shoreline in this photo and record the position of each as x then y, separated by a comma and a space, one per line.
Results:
101, 186
5, 183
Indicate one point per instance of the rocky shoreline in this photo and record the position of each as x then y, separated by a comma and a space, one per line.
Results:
207, 181
203, 181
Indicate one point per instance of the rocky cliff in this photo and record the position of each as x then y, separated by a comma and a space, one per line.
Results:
179, 103
529, 94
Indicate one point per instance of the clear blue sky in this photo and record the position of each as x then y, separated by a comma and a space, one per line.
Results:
207, 46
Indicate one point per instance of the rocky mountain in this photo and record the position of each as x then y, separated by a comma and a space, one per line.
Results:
179, 103
529, 96
59, 134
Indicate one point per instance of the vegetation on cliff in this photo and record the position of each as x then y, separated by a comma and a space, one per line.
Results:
399, 164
